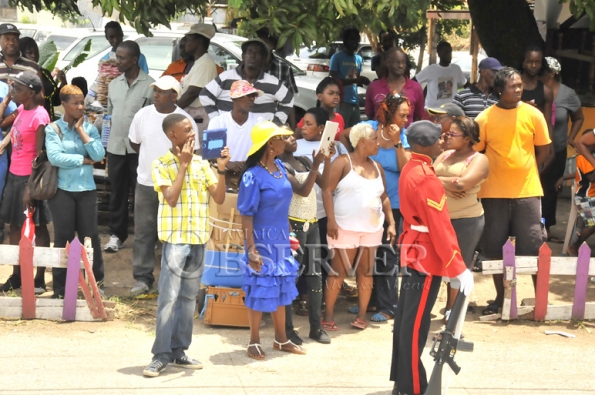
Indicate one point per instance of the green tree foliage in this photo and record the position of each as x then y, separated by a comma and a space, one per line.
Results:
321, 21
302, 21
580, 7
140, 14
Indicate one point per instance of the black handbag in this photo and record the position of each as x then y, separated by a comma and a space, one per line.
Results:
43, 181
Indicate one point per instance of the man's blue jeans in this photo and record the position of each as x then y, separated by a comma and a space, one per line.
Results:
181, 271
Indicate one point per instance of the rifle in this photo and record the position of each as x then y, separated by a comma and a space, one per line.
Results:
447, 343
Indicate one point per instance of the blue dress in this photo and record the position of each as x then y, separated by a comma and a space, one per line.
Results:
267, 200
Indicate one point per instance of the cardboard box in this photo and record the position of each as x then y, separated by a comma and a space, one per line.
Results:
225, 306
226, 224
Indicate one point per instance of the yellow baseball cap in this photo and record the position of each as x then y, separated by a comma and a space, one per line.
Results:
262, 132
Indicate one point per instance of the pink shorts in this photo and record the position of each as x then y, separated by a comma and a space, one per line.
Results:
351, 239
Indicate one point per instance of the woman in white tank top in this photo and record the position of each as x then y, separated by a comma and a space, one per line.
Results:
355, 220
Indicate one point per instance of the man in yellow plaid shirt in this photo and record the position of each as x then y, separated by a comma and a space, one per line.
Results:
183, 182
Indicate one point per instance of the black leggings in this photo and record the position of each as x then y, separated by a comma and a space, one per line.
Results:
310, 271
75, 212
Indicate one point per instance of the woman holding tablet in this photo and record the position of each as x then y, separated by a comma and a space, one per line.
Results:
303, 172
356, 215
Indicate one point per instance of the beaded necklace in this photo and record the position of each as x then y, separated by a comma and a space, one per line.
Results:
271, 173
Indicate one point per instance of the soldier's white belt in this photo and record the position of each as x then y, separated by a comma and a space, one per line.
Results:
420, 228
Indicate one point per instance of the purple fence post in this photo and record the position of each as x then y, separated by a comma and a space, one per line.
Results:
580, 285
508, 251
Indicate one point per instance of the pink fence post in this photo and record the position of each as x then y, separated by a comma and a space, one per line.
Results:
580, 286
543, 282
72, 278
508, 251
28, 287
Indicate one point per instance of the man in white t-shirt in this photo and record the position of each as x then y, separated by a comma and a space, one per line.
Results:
148, 139
442, 79
204, 71
238, 122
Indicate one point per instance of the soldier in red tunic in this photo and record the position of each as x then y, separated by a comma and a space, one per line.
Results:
429, 250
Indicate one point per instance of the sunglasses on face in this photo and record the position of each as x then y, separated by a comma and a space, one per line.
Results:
280, 137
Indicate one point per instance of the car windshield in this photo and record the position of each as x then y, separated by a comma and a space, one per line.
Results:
296, 70
365, 51
62, 42
27, 32
98, 44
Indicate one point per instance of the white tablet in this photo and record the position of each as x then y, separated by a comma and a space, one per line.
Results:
328, 136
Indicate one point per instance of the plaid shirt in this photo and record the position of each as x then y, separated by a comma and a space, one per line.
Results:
188, 222
284, 73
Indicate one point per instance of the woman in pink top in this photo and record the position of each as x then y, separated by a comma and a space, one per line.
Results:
397, 81
26, 137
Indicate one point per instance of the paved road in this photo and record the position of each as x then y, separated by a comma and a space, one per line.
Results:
108, 358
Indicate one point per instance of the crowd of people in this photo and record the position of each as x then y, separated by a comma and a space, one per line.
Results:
432, 168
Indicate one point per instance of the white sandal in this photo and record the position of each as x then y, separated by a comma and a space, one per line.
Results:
295, 349
258, 348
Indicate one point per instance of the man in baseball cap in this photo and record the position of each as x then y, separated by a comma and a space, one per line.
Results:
429, 251
168, 82
477, 97
238, 122
147, 138
11, 62
445, 114
7, 28
204, 70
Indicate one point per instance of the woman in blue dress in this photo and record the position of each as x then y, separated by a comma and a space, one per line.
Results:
271, 271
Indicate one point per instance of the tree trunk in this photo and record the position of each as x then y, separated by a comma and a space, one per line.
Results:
505, 28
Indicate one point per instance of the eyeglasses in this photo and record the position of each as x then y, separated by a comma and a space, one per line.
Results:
452, 134
280, 137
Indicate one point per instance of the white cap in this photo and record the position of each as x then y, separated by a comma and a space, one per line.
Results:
168, 82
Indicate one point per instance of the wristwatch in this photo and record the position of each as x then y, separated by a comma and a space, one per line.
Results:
399, 145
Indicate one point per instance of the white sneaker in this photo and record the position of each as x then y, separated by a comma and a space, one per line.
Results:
113, 244
139, 288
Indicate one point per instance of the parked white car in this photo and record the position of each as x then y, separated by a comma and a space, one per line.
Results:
98, 44
64, 38
316, 62
225, 50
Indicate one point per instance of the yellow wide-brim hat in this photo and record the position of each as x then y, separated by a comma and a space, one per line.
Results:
262, 132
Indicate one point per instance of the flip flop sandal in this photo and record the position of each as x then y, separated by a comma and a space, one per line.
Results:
329, 326
359, 324
355, 309
294, 350
381, 317
258, 347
